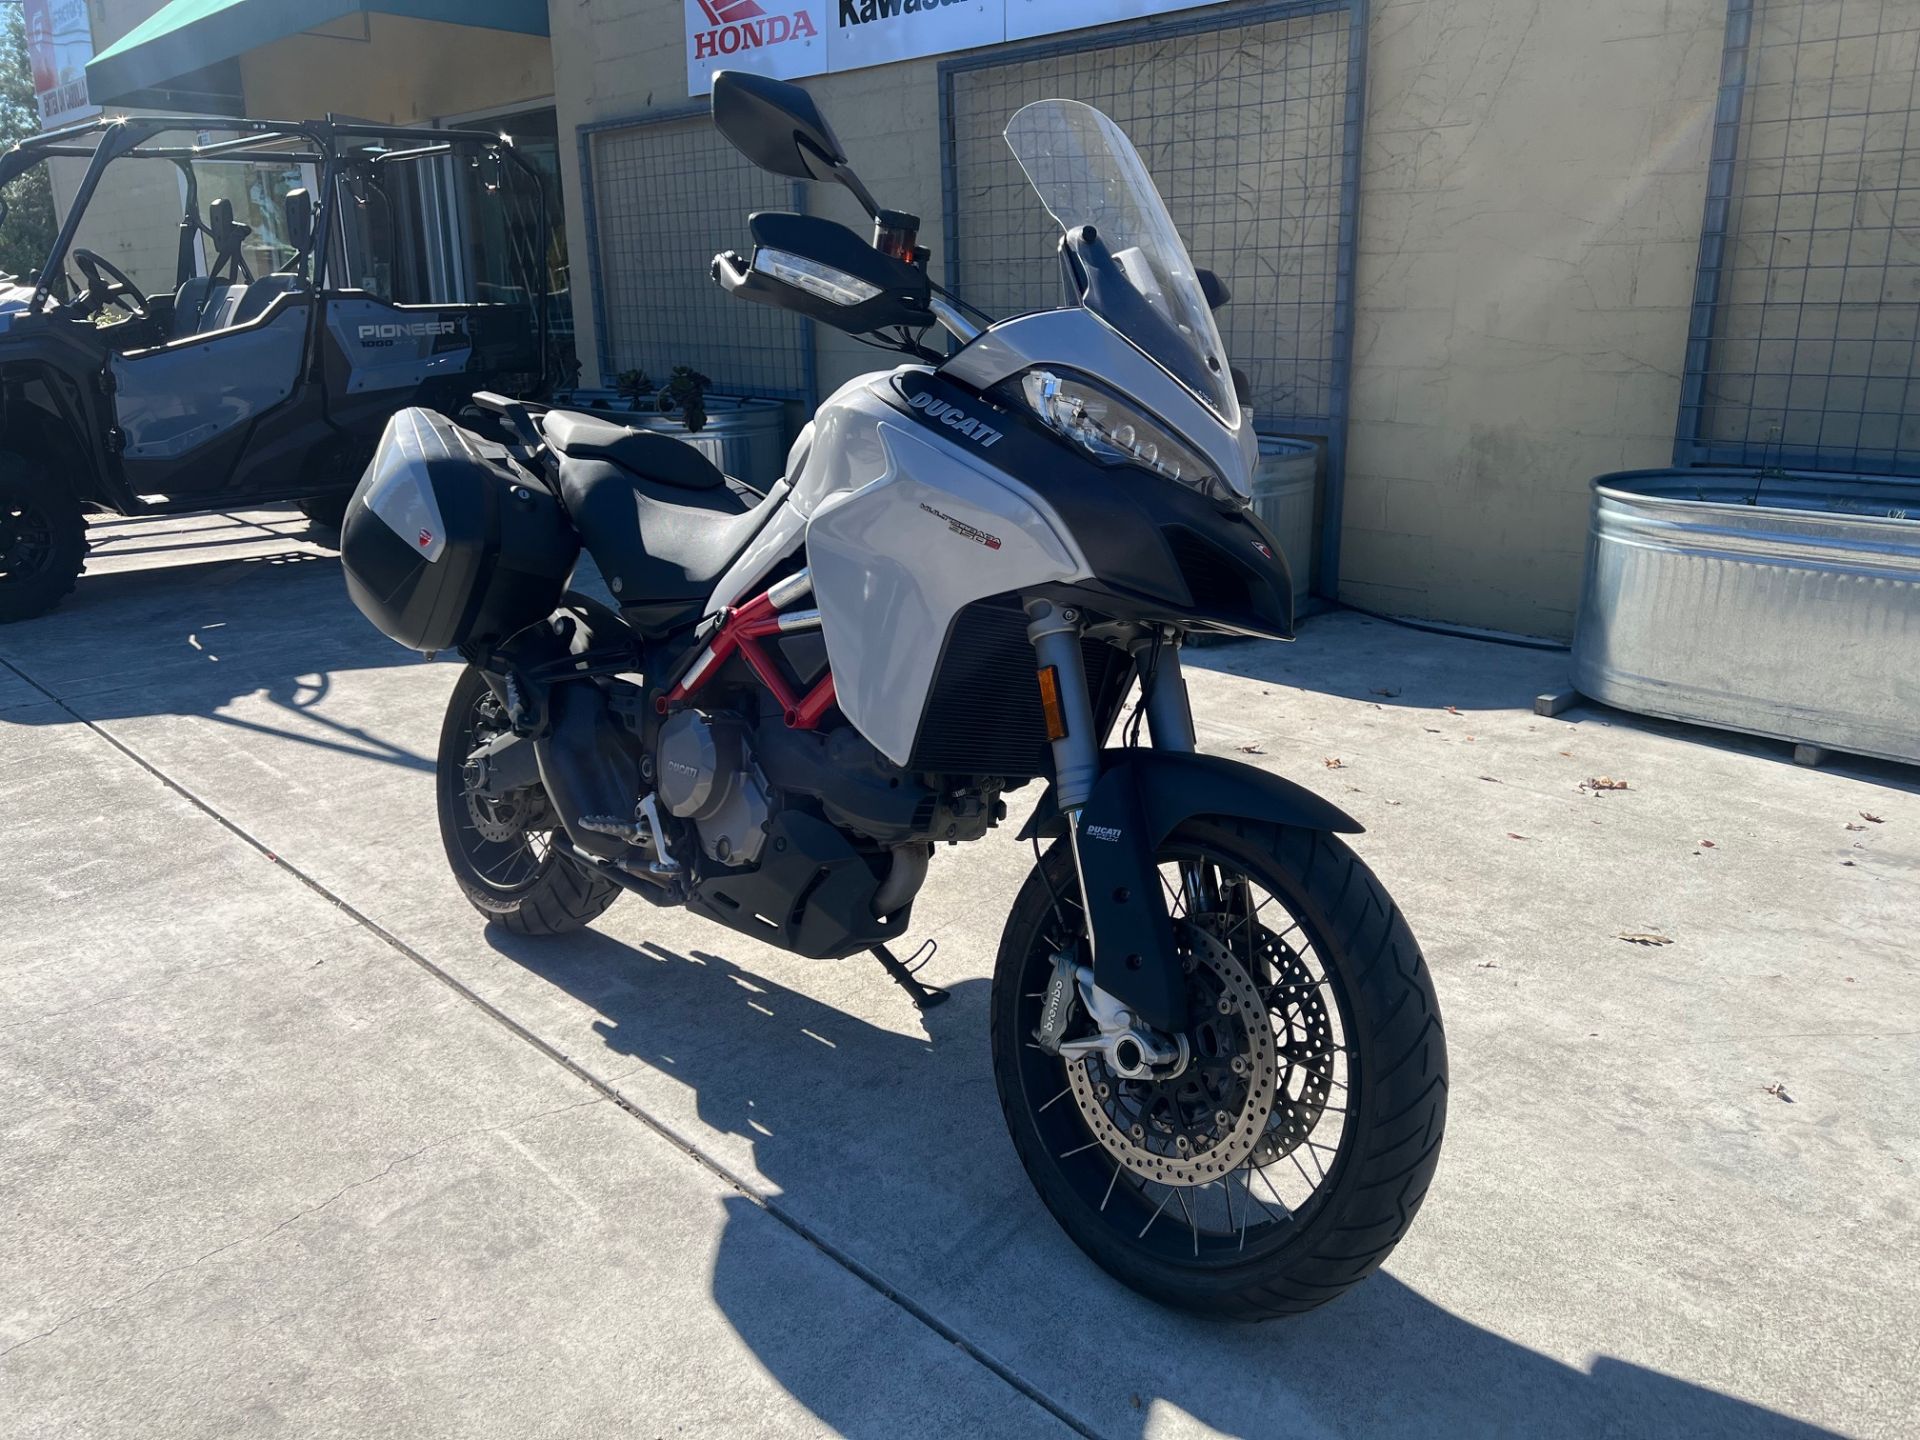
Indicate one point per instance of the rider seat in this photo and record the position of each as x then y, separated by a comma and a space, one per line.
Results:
659, 519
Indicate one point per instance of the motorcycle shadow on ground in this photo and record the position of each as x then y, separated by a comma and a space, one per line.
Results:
193, 637
889, 1147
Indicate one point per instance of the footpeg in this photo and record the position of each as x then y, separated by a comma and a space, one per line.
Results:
924, 997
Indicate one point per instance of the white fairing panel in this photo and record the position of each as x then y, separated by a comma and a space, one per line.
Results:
895, 560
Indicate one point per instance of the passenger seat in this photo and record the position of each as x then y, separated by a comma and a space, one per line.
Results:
263, 292
194, 302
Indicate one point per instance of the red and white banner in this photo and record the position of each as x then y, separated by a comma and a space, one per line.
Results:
816, 37
59, 43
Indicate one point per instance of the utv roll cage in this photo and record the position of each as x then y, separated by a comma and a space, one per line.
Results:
338, 149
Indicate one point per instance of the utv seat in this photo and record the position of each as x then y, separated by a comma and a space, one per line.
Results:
197, 300
659, 519
261, 294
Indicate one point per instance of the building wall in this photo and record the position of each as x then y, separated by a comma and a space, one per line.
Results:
394, 71
1533, 180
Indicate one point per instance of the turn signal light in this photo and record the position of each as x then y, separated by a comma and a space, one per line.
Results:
1050, 703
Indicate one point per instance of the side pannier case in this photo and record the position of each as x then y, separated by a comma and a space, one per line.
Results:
448, 541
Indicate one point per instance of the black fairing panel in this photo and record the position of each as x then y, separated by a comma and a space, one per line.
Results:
1158, 550
812, 893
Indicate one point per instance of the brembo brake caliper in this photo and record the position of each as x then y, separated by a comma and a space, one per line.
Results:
1131, 1050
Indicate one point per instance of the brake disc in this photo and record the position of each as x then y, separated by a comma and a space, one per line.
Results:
498, 820
1236, 1075
1298, 1005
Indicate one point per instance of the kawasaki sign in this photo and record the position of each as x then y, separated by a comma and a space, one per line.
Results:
815, 37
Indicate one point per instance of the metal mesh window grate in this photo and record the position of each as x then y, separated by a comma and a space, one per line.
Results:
1244, 126
1806, 325
664, 196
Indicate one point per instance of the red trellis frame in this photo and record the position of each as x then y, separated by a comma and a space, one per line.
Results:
742, 632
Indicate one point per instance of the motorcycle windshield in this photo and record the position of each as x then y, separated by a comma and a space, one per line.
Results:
1140, 279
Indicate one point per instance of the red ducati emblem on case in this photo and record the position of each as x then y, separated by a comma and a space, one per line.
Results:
1259, 545
426, 538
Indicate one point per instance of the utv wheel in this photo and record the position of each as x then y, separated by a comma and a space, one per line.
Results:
325, 512
43, 538
1286, 1160
504, 852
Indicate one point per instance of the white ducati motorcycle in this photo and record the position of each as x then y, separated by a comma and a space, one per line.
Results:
1215, 1039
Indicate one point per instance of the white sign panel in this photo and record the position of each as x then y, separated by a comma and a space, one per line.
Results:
787, 39
768, 37
59, 43
876, 32
1029, 18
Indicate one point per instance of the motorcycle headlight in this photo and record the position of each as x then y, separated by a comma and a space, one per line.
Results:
1110, 430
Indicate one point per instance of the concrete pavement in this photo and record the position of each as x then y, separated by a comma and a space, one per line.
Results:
291, 1143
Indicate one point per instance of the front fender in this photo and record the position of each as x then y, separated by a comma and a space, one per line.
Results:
1142, 796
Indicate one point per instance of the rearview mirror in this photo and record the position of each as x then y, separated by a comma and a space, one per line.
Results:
300, 220
779, 128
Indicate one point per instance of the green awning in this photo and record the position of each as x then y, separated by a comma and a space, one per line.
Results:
189, 35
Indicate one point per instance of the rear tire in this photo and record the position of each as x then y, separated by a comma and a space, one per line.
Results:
43, 538
325, 512
1368, 1023
515, 872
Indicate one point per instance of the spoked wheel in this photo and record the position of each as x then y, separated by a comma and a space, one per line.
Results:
1278, 1161
43, 539
504, 851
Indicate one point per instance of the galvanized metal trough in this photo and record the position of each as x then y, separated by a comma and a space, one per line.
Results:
1779, 604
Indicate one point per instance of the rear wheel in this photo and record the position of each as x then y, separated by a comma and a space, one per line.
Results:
1283, 1157
506, 852
43, 538
325, 512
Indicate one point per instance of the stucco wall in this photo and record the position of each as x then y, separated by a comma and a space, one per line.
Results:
1533, 179
395, 71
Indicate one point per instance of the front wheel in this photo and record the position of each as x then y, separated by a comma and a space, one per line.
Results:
1287, 1156
43, 538
506, 853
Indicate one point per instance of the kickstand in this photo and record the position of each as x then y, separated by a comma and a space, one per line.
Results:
924, 997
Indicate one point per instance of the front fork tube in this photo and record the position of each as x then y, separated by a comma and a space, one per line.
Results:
1055, 633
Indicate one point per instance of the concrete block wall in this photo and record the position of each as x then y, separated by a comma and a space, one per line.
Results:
1534, 173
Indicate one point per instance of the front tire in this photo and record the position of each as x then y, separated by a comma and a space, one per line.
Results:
43, 538
506, 854
1348, 1128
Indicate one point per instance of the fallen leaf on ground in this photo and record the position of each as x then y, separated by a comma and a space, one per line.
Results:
1708, 844
1453, 709
1512, 836
1849, 979
1852, 826
1848, 863
1645, 937
1871, 818
1334, 762
1429, 729
1491, 781
1488, 965
1605, 782
1778, 1091
1388, 693
1249, 749
1567, 754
